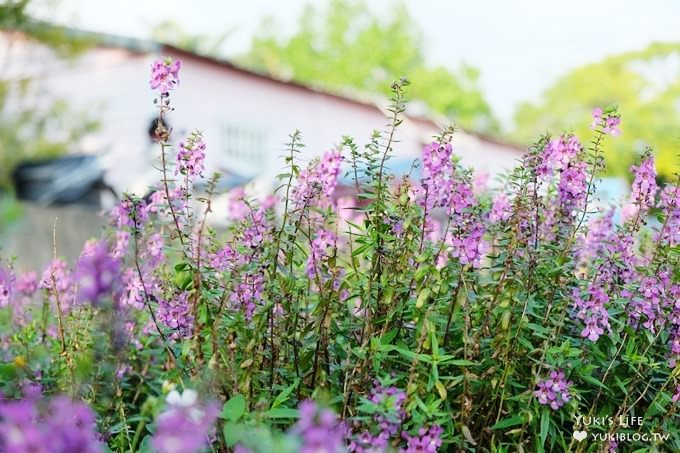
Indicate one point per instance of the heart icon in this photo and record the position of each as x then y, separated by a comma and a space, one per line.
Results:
580, 435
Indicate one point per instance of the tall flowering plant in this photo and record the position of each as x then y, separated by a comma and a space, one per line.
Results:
416, 315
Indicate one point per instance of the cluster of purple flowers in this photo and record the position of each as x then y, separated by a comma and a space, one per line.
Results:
176, 315
247, 293
501, 209
468, 244
572, 189
557, 155
442, 184
647, 307
386, 420
596, 241
185, 425
237, 208
98, 273
27, 283
609, 121
322, 245
130, 213
445, 186
317, 182
59, 283
7, 280
554, 391
56, 426
593, 311
676, 396
191, 156
437, 181
428, 440
644, 188
669, 202
245, 248
165, 74
319, 430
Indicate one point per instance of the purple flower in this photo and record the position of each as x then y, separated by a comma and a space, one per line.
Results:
572, 188
611, 126
554, 391
428, 440
609, 121
58, 281
647, 305
133, 290
27, 283
165, 74
185, 425
98, 273
676, 397
237, 208
468, 244
442, 185
176, 315
75, 425
63, 427
121, 244
386, 420
7, 281
153, 253
669, 202
247, 293
600, 234
557, 155
131, 212
191, 156
501, 210
160, 204
321, 249
226, 258
597, 118
319, 429
644, 187
316, 183
592, 311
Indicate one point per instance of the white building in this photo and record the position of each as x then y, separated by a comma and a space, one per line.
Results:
245, 117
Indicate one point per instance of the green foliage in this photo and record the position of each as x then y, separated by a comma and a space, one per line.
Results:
345, 46
648, 104
476, 329
171, 32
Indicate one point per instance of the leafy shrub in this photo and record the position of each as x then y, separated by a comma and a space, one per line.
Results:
417, 315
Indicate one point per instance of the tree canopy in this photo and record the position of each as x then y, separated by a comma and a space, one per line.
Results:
30, 129
644, 84
346, 46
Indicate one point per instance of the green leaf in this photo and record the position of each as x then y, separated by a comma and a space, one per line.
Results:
234, 408
461, 362
283, 396
232, 433
545, 425
282, 412
510, 421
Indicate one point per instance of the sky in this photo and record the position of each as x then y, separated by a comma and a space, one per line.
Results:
521, 47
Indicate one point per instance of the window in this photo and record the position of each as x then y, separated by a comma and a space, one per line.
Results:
244, 149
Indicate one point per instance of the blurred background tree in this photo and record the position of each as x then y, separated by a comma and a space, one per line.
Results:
347, 47
171, 32
34, 124
644, 84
